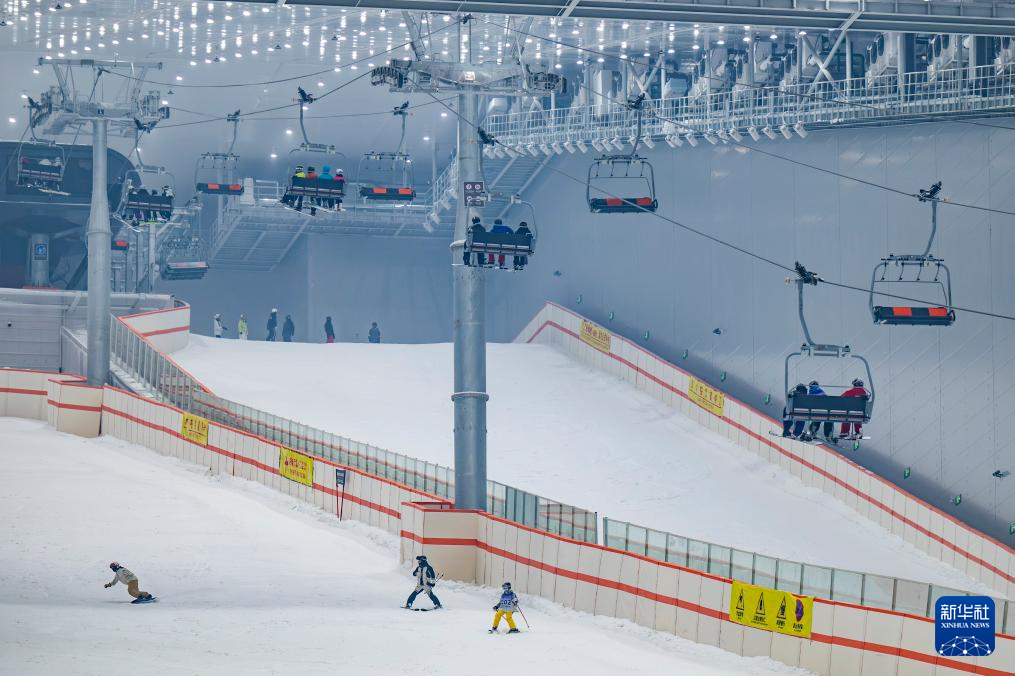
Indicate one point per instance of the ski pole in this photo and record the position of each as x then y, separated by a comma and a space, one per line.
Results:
527, 625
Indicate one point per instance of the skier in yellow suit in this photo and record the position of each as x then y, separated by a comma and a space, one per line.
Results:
506, 607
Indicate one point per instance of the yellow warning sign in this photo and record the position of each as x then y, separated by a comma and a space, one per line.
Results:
709, 398
595, 335
194, 428
296, 466
771, 609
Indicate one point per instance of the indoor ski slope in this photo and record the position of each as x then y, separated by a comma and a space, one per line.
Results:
252, 582
568, 432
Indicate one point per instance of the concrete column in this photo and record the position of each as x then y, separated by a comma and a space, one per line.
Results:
99, 262
469, 327
38, 260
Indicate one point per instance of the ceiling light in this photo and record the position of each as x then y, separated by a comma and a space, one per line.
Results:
674, 141
753, 131
597, 144
12, 120
747, 38
800, 130
288, 132
785, 131
273, 156
695, 47
179, 78
582, 146
773, 36
767, 131
546, 149
647, 140
690, 138
557, 148
533, 150
711, 138
720, 42
722, 135
802, 33
736, 135
569, 147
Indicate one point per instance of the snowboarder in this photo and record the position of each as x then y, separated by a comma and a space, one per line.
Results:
522, 261
218, 326
787, 422
121, 574
329, 331
272, 324
242, 330
425, 581
476, 228
814, 389
374, 335
856, 391
506, 607
288, 329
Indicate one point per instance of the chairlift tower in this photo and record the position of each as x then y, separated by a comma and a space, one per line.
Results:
471, 82
73, 106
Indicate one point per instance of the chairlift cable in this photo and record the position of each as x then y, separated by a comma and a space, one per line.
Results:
730, 245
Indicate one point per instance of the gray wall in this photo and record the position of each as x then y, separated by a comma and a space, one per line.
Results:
944, 395
402, 284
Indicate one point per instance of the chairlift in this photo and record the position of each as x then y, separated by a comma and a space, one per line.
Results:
611, 177
145, 201
183, 258
906, 265
387, 176
303, 184
828, 408
41, 166
217, 173
490, 248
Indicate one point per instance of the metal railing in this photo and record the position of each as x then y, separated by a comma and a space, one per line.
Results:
172, 384
866, 589
884, 99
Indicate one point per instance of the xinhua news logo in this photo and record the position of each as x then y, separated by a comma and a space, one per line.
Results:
964, 626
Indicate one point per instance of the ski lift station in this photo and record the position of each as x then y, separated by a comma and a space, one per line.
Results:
558, 337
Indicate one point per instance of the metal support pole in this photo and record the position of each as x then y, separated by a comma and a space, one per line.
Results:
99, 268
470, 395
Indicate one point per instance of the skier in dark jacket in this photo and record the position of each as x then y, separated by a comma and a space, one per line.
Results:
374, 335
476, 228
787, 422
272, 324
498, 226
425, 581
329, 331
814, 389
288, 329
522, 261
856, 391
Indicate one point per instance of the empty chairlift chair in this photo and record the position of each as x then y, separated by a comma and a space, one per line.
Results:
217, 173
913, 271
183, 258
622, 184
387, 176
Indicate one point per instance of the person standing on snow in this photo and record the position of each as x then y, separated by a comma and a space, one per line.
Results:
374, 335
242, 330
506, 607
288, 329
329, 330
121, 574
856, 391
272, 324
814, 389
425, 581
218, 326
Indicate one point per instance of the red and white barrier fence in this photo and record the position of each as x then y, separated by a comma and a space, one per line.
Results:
936, 533
167, 330
845, 639
64, 400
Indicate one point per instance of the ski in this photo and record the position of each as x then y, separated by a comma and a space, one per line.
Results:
147, 599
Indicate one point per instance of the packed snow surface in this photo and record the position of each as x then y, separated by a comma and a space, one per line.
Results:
568, 432
253, 583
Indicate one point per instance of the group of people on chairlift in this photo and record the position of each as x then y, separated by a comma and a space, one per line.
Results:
796, 429
52, 168
331, 202
486, 260
141, 194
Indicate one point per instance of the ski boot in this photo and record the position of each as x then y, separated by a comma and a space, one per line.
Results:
514, 631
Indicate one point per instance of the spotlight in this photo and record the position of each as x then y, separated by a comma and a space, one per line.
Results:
786, 133
767, 131
723, 136
597, 144
617, 143
736, 135
647, 140
557, 149
711, 138
533, 150
569, 147
753, 131
582, 146
800, 130
691, 140
673, 141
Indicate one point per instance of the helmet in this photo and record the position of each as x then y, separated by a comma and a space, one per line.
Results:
813, 383
857, 382
421, 558
506, 586
800, 388
115, 566
274, 310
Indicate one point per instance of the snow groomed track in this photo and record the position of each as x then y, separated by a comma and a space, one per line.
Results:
570, 433
251, 582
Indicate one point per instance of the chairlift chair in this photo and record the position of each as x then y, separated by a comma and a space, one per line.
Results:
41, 166
142, 201
830, 408
906, 265
482, 244
183, 258
217, 173
612, 177
322, 193
387, 176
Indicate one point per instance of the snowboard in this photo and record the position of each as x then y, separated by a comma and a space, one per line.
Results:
819, 440
149, 599
421, 610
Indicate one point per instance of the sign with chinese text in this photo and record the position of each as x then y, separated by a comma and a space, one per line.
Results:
709, 398
964, 626
475, 193
595, 335
194, 428
771, 609
296, 466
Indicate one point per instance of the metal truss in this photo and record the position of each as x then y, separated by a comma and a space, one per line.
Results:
886, 99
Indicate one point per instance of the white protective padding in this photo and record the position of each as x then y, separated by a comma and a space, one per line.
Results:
818, 466
167, 330
73, 406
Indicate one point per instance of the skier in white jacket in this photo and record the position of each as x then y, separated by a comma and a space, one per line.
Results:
218, 326
128, 578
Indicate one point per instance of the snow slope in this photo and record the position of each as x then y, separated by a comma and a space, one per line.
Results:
252, 583
568, 432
